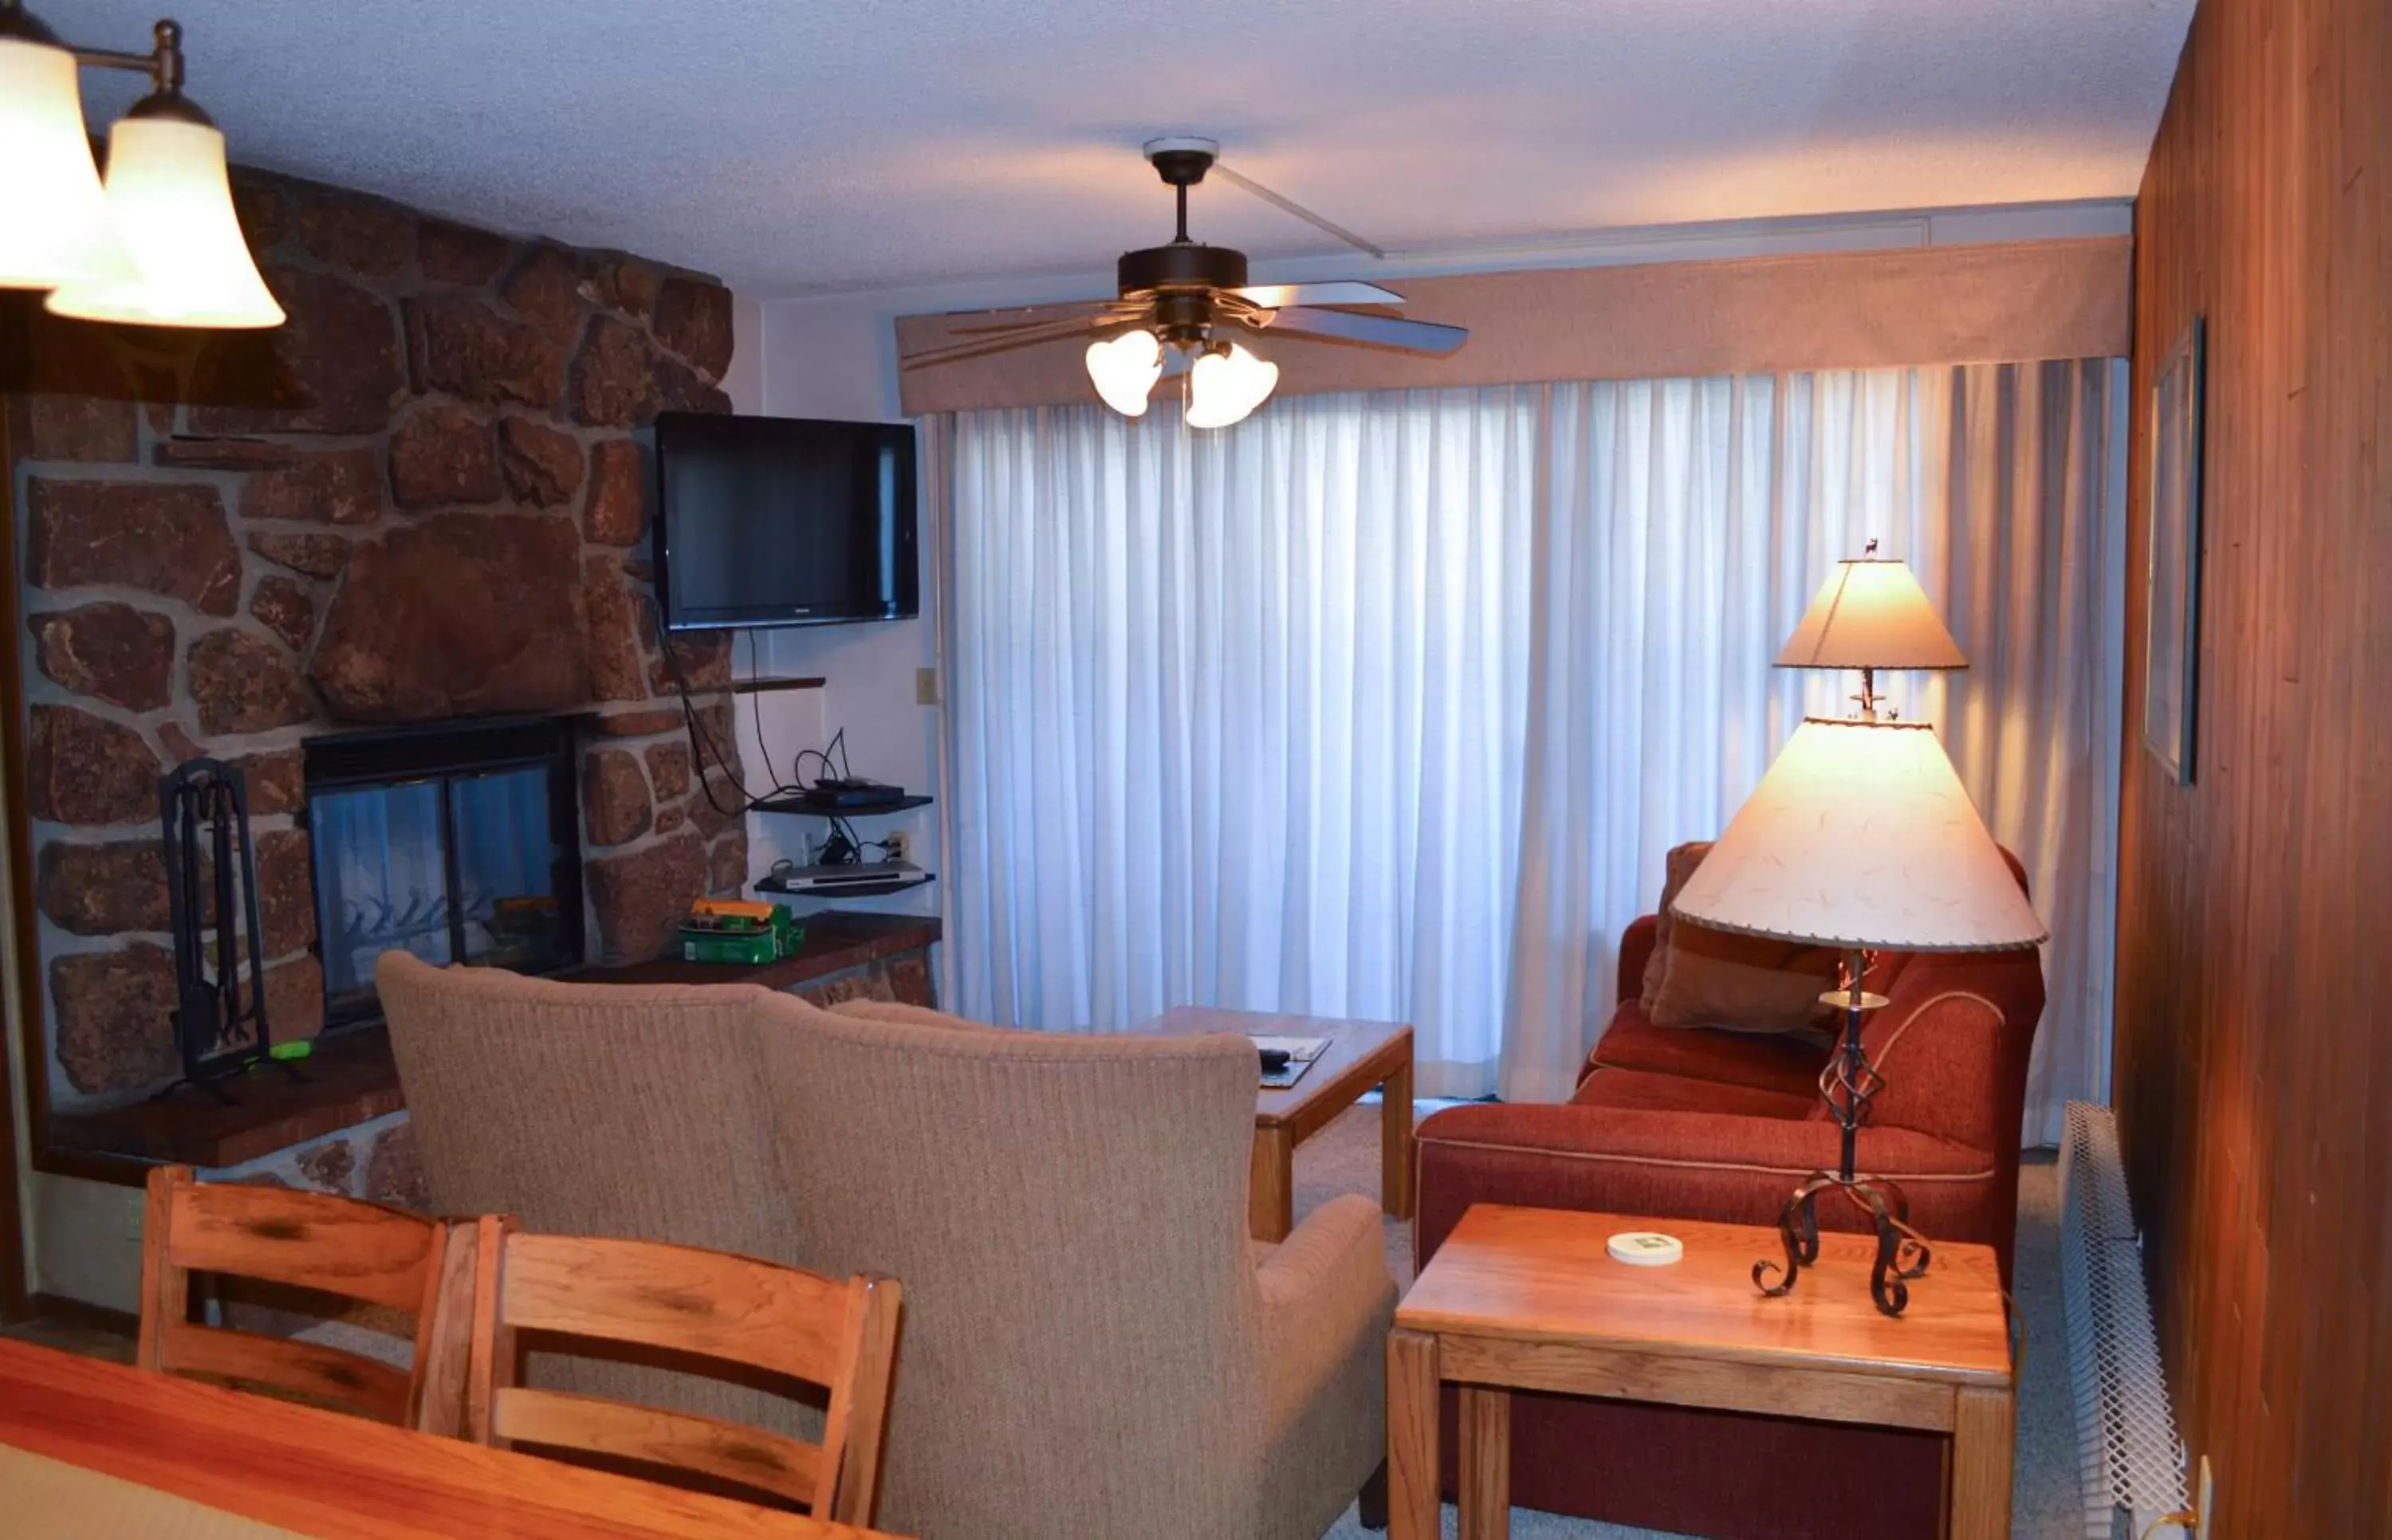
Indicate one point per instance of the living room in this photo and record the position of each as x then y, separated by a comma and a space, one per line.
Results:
1537, 770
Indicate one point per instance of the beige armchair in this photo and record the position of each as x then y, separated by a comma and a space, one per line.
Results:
1091, 1347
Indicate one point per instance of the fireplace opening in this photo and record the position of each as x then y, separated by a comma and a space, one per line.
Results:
458, 842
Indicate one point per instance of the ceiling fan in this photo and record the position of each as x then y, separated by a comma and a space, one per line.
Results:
1193, 301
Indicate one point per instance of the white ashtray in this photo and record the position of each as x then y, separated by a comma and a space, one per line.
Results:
1646, 1249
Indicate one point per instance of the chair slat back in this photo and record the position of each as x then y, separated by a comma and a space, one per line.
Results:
339, 1246
837, 1333
751, 1456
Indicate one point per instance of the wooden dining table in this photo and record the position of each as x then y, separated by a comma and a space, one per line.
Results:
92, 1448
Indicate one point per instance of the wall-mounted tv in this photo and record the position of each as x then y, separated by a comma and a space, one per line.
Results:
774, 520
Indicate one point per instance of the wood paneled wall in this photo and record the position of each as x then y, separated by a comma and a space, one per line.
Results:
2254, 1070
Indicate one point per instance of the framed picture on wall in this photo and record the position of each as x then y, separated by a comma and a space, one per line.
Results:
2172, 641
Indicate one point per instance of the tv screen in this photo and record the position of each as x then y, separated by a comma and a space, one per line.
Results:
769, 521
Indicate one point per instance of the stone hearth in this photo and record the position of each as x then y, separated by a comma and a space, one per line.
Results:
424, 499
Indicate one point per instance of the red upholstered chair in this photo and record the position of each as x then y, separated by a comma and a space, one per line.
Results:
1689, 1124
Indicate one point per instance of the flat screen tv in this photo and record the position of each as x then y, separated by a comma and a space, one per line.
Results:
772, 521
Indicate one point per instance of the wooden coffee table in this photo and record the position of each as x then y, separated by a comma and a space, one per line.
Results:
1529, 1298
1360, 1055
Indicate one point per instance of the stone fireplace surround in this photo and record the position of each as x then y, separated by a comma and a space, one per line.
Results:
424, 499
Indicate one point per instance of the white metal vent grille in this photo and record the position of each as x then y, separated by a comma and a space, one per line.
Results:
2129, 1460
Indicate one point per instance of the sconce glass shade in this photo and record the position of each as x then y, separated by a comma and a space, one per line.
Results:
1124, 371
1225, 387
170, 204
53, 221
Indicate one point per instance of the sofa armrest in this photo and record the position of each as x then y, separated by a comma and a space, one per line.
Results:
1324, 1288
1330, 1275
1636, 944
1327, 1303
1664, 1165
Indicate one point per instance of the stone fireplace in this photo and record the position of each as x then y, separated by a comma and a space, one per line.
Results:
423, 501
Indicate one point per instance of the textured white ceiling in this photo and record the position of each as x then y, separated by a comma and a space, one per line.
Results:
795, 144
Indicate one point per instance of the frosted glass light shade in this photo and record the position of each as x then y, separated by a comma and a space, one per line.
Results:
53, 224
1124, 371
1871, 614
1226, 387
1862, 835
171, 207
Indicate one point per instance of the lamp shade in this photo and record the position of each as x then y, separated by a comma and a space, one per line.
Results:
170, 204
1871, 614
1862, 835
53, 226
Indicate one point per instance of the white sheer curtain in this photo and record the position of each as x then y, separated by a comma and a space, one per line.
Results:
1237, 717
1388, 705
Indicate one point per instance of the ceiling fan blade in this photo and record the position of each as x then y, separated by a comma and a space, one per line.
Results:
1346, 326
1047, 315
1279, 296
1277, 200
981, 347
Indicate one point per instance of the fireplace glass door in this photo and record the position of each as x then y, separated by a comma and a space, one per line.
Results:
456, 845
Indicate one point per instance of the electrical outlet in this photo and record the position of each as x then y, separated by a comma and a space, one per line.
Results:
2204, 1503
926, 687
893, 846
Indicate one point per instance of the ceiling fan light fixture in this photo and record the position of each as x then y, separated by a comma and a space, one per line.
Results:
53, 223
1125, 368
1225, 387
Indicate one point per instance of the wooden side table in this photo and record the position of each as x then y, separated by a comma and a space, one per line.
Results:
1360, 1055
1529, 1299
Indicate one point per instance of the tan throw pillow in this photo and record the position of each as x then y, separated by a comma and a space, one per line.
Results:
1704, 978
1677, 866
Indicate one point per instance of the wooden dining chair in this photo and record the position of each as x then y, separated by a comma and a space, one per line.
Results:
841, 1334
360, 1251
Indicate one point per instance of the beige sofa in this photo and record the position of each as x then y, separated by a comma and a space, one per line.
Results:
1091, 1347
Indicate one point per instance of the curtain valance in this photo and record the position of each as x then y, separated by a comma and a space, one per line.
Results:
1936, 304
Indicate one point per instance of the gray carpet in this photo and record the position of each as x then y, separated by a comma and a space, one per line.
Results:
1344, 1157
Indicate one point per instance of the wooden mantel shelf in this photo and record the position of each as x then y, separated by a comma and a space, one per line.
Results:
351, 1078
837, 939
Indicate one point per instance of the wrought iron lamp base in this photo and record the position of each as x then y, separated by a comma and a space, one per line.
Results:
1848, 1084
1902, 1253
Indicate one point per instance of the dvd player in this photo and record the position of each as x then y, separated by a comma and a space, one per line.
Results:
833, 879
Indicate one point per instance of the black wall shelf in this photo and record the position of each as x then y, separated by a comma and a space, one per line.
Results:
799, 805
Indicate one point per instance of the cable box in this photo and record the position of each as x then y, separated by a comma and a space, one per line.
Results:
844, 795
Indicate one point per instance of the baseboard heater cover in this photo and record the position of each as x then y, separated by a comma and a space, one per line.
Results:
2130, 1462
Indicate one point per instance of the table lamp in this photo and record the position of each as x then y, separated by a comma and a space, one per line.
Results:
1860, 836
1869, 615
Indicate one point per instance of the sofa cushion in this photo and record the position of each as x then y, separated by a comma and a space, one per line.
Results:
1717, 979
1784, 1063
1643, 1088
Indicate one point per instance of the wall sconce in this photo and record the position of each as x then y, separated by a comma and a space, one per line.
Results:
157, 243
